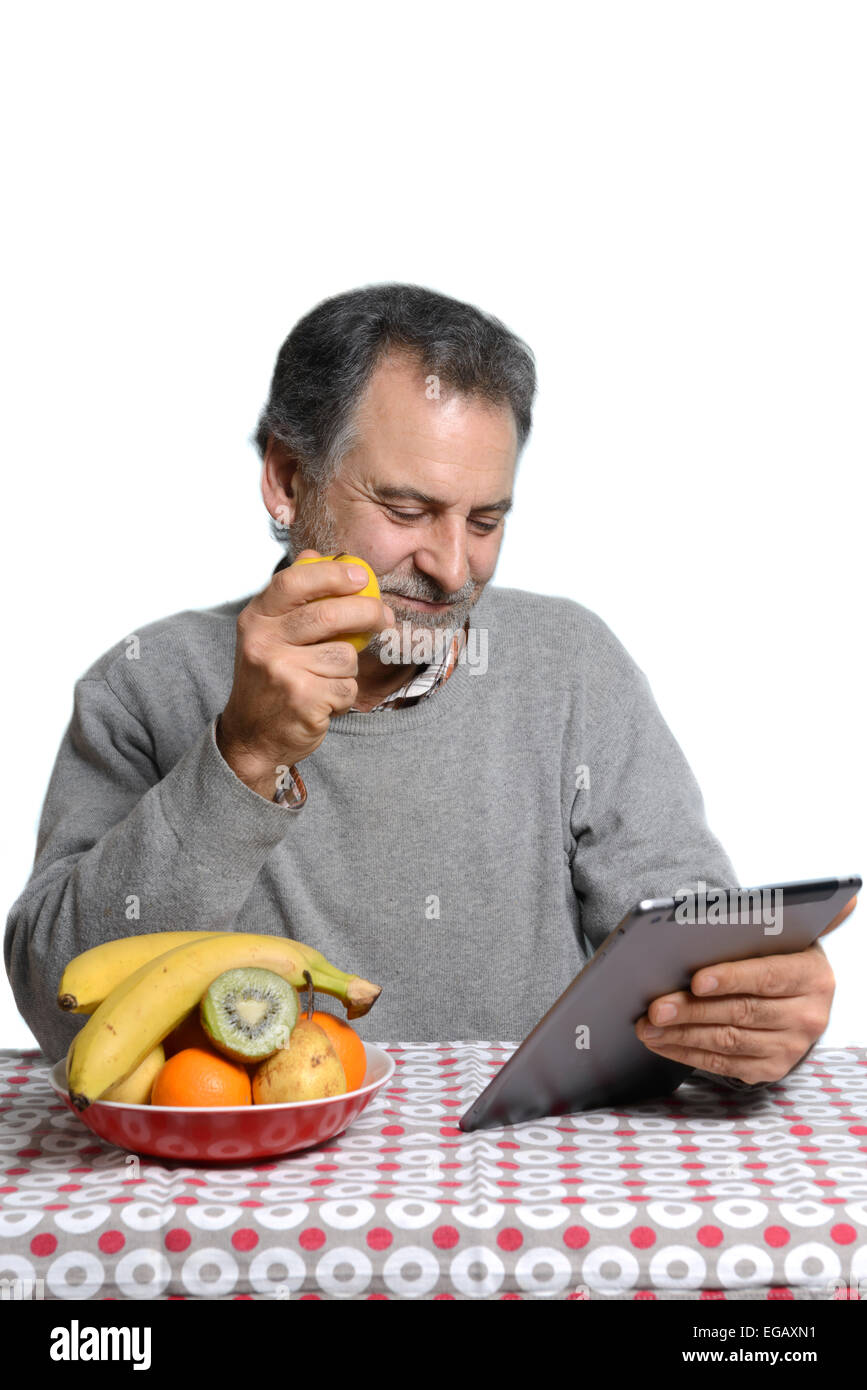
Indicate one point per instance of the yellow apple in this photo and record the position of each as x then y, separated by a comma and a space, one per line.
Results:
359, 640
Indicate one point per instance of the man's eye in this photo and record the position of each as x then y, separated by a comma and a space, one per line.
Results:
484, 526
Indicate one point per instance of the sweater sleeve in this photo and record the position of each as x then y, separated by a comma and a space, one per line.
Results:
639, 827
123, 849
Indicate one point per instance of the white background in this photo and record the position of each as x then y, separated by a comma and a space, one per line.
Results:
666, 201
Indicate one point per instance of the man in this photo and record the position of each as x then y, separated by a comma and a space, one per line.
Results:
468, 826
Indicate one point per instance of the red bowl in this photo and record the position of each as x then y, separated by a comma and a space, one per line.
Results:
224, 1133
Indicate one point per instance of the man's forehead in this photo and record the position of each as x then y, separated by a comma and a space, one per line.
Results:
431, 473
431, 442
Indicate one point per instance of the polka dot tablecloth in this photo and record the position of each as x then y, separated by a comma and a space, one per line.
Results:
705, 1194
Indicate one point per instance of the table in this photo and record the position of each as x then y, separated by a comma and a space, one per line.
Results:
705, 1193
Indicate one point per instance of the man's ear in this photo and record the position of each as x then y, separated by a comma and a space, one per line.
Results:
279, 468
841, 916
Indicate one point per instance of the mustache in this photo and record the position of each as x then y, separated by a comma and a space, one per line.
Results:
423, 592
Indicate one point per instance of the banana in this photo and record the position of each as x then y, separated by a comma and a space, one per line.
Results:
142, 1009
91, 976
135, 1089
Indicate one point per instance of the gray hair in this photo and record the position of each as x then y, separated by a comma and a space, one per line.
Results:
325, 364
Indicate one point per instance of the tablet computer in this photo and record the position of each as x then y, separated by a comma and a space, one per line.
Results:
584, 1053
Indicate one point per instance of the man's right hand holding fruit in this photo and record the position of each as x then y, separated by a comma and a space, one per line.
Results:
296, 664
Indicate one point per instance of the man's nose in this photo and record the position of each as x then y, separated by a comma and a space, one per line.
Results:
443, 556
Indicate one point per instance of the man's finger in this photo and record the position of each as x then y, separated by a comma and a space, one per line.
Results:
775, 976
742, 1010
291, 588
725, 1038
750, 1069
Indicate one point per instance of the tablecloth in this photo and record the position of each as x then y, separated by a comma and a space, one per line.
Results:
704, 1194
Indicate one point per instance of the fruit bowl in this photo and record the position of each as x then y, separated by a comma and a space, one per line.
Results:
225, 1133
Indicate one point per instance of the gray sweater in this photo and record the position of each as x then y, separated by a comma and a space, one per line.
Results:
467, 853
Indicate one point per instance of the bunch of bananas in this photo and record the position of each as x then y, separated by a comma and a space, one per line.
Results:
137, 989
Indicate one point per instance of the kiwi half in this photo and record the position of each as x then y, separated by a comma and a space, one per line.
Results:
248, 1013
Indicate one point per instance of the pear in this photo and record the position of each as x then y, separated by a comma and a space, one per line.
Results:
308, 1068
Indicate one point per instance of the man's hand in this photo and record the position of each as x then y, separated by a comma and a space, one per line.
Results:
752, 1019
292, 670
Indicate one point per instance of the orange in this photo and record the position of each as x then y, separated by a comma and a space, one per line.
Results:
199, 1077
348, 1046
